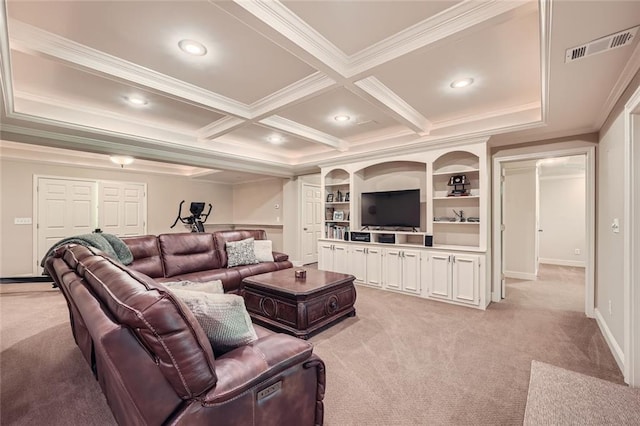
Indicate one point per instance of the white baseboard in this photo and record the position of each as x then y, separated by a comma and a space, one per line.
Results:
562, 262
296, 263
520, 275
616, 350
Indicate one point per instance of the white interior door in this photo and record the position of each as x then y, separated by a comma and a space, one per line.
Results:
65, 208
311, 226
122, 208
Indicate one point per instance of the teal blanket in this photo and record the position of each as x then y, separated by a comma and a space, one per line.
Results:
110, 244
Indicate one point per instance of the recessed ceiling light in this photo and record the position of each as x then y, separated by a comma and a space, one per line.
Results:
137, 100
342, 118
275, 139
457, 84
192, 47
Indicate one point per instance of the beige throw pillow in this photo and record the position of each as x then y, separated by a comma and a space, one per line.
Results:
263, 250
214, 287
223, 317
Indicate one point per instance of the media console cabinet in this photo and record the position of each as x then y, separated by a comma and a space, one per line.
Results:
445, 259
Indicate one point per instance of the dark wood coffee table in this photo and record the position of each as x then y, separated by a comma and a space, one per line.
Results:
281, 301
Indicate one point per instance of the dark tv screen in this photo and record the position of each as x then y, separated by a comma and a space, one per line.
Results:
391, 208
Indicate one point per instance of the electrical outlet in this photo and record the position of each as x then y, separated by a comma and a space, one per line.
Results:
22, 221
610, 311
577, 251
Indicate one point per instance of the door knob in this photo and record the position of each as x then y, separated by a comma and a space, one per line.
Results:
304, 229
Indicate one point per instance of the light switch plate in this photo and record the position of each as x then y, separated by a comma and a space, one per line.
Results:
22, 221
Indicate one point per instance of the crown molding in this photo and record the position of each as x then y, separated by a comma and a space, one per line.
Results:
487, 115
450, 21
546, 13
196, 157
6, 78
409, 148
313, 84
60, 156
629, 71
220, 127
57, 104
397, 106
284, 21
32, 40
305, 132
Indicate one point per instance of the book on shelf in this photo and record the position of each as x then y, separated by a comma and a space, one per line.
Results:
334, 231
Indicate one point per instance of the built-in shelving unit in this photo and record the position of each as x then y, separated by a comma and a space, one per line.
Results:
337, 207
442, 259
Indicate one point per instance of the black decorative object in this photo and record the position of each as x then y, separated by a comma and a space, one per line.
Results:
458, 182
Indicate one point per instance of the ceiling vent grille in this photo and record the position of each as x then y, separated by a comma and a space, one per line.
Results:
600, 45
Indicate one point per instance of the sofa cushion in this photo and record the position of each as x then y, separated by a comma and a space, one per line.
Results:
223, 317
241, 253
184, 253
146, 255
263, 250
214, 287
164, 325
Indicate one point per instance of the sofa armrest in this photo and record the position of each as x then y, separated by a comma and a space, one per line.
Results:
247, 366
280, 257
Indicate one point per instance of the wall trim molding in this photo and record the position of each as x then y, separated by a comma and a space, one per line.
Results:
520, 275
563, 262
616, 350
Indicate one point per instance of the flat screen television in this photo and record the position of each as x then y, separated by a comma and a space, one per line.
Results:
391, 208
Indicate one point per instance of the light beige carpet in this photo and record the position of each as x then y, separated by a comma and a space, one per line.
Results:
562, 397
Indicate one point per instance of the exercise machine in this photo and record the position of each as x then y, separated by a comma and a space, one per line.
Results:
197, 219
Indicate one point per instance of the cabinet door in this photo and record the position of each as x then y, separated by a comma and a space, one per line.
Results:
358, 261
392, 269
411, 271
325, 256
374, 267
439, 275
341, 259
465, 279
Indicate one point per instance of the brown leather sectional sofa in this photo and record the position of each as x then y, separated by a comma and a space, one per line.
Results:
152, 359
198, 257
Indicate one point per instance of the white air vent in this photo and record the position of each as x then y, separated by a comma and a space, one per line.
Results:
600, 45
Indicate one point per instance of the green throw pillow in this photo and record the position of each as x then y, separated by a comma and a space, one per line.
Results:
241, 253
223, 317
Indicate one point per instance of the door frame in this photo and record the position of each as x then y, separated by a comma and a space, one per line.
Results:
631, 264
498, 164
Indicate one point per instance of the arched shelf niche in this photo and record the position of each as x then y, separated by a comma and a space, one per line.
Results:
337, 211
456, 216
390, 176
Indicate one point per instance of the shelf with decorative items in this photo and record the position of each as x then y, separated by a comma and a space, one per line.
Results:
337, 205
457, 202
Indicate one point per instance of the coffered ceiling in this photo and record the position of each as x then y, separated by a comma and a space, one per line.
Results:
265, 97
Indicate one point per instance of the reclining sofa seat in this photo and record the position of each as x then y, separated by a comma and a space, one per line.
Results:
198, 257
155, 364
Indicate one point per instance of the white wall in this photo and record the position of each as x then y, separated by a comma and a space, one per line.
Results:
562, 220
609, 278
260, 205
519, 215
164, 193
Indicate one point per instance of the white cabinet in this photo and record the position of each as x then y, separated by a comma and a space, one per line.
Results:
333, 257
402, 270
453, 276
366, 265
